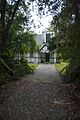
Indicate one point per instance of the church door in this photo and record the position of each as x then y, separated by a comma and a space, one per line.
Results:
47, 57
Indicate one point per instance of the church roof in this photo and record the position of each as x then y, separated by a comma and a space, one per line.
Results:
44, 48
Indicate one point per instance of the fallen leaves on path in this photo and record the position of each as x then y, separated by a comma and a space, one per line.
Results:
40, 101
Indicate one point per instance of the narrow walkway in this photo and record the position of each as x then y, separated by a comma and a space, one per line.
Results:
45, 73
41, 96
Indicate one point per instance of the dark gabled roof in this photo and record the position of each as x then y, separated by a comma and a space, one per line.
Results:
43, 46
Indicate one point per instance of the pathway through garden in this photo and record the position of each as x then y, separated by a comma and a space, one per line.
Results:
40, 96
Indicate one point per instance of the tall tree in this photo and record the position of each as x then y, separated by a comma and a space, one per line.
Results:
66, 26
7, 9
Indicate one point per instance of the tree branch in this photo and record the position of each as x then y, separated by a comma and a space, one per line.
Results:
13, 15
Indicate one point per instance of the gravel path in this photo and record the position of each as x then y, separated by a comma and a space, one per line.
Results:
45, 73
40, 96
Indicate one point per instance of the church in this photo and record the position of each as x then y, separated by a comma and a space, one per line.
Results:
43, 55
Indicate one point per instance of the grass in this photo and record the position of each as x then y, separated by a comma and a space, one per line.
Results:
60, 66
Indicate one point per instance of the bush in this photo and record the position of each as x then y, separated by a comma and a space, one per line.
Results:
60, 67
73, 72
21, 68
4, 78
30, 69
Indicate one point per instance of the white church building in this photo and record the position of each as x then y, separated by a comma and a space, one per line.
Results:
43, 55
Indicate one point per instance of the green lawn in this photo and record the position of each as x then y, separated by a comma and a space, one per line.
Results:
60, 66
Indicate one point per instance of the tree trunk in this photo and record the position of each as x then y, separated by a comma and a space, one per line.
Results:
2, 25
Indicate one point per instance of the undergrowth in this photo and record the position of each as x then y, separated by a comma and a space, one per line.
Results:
13, 70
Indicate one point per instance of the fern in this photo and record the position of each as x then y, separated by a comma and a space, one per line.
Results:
3, 62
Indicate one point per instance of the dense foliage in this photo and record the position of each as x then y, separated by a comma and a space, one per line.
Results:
66, 27
16, 39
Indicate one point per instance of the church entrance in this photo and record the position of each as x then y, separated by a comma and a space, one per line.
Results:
47, 57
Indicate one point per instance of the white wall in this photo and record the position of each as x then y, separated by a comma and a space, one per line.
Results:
33, 59
37, 57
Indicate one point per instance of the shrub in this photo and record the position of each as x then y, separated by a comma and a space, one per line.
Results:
14, 70
19, 70
4, 78
30, 69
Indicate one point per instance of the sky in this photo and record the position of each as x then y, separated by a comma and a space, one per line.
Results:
41, 23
